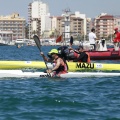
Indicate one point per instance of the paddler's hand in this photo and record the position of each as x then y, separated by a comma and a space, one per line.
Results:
41, 53
49, 71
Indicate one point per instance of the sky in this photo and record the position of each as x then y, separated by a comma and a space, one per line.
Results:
91, 8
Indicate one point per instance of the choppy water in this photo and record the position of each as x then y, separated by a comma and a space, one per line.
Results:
56, 99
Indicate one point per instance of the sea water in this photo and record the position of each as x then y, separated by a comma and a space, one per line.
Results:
56, 98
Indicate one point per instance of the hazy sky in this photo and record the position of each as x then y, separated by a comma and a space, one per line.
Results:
91, 8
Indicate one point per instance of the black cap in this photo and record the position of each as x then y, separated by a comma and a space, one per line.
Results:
93, 29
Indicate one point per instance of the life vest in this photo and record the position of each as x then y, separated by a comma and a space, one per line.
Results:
62, 68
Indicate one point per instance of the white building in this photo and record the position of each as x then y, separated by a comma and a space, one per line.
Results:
83, 16
117, 22
39, 17
39, 8
53, 23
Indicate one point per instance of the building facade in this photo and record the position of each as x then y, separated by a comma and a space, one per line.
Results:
39, 19
15, 24
117, 22
71, 25
104, 25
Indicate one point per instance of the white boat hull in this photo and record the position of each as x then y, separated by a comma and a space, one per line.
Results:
21, 74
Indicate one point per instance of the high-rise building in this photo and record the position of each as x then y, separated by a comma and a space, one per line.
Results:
38, 18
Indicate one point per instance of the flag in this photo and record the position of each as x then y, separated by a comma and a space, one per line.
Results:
59, 39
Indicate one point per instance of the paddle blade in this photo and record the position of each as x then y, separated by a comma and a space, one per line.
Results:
37, 41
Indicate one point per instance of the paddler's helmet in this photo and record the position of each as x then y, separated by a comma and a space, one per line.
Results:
53, 51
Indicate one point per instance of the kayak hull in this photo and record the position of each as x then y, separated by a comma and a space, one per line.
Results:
21, 74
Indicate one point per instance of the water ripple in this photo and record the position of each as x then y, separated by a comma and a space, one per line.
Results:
56, 99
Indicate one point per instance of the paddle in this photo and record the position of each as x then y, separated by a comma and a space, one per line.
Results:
37, 41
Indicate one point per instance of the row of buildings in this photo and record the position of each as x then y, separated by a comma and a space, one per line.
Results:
12, 26
43, 24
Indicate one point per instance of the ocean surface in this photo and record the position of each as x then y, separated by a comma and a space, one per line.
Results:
56, 98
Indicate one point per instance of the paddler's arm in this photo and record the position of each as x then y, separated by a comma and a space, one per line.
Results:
57, 65
70, 48
44, 57
76, 51
80, 57
55, 68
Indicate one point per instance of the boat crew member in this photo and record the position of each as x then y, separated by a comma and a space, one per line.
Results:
92, 38
82, 55
117, 36
60, 65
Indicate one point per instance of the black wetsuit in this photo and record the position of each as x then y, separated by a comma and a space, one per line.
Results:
83, 57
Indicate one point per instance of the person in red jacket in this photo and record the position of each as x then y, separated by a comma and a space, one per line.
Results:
117, 36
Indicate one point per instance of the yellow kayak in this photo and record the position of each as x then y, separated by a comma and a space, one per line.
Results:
73, 66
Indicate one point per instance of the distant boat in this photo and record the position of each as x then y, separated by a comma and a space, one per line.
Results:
5, 38
19, 42
3, 44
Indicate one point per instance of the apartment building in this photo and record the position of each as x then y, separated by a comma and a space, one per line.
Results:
15, 24
38, 17
77, 25
89, 25
74, 25
104, 25
117, 21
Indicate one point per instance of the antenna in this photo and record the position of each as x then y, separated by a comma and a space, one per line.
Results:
67, 11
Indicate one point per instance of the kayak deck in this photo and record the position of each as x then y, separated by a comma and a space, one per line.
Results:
21, 74
73, 66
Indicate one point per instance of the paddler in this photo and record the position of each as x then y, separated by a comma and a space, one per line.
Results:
60, 65
82, 56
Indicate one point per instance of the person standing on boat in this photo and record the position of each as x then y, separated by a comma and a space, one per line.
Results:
60, 65
116, 39
82, 56
117, 36
92, 38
